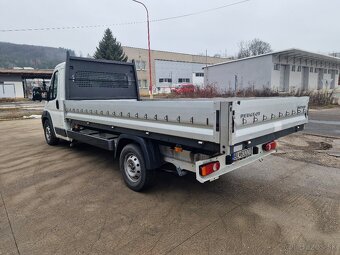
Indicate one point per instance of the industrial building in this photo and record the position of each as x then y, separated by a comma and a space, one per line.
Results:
168, 68
13, 82
282, 71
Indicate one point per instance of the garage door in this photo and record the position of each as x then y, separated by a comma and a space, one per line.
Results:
7, 90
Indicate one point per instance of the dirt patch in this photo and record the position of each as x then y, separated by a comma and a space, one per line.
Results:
309, 148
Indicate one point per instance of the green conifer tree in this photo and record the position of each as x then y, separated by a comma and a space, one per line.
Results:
109, 48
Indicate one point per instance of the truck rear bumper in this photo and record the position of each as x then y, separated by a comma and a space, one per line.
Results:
226, 168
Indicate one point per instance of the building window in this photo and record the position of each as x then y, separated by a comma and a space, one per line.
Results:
329, 71
299, 69
277, 67
325, 70
316, 70
293, 68
311, 69
199, 74
139, 84
337, 72
144, 84
140, 65
182, 80
165, 80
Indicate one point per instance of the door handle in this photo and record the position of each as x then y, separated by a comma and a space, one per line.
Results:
57, 104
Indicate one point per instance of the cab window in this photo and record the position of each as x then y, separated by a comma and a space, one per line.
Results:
54, 86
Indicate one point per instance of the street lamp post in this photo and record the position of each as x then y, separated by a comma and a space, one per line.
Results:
150, 71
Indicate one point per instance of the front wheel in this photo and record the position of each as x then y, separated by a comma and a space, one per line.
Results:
50, 137
133, 169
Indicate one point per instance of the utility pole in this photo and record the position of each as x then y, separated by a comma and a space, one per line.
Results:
236, 81
149, 49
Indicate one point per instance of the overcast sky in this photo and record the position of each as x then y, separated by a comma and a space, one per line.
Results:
306, 24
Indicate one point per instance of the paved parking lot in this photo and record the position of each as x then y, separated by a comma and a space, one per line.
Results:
61, 200
324, 122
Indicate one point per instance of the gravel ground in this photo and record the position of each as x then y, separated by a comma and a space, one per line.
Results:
311, 149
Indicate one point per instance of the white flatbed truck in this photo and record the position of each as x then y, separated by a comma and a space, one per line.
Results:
97, 102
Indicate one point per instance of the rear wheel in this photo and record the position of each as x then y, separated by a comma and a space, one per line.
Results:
50, 137
133, 169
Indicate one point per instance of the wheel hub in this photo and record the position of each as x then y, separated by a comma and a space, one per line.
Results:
48, 133
132, 168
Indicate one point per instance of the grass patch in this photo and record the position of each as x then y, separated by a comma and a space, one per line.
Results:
17, 113
11, 100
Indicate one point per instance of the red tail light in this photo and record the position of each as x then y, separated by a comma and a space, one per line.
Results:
269, 146
209, 168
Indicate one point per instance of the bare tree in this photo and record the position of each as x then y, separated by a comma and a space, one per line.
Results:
253, 48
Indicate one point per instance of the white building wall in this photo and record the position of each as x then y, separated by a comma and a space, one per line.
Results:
275, 78
19, 90
295, 79
174, 70
251, 73
313, 80
12, 89
327, 79
259, 71
198, 80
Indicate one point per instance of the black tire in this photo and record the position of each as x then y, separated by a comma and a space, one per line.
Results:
50, 137
133, 168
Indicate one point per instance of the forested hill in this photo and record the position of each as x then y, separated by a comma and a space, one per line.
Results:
21, 55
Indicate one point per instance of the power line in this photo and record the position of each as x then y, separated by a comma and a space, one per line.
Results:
201, 12
121, 24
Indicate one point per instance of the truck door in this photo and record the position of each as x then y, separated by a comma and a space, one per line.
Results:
55, 106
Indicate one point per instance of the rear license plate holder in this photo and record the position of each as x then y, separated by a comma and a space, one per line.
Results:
242, 154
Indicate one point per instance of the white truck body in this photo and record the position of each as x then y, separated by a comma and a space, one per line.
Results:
187, 133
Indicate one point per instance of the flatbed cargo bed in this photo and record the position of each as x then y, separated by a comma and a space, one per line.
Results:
226, 121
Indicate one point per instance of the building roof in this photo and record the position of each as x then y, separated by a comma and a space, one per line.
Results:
290, 53
173, 52
28, 73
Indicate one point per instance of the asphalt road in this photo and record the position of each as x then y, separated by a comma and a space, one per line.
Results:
61, 200
324, 122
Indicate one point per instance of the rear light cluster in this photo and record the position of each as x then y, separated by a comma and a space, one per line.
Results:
269, 146
209, 168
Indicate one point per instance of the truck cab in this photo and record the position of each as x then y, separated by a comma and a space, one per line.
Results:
54, 106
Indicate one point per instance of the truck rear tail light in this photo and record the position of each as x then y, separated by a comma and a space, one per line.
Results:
209, 168
269, 146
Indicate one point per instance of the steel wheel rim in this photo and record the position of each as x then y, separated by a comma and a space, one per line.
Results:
48, 133
132, 168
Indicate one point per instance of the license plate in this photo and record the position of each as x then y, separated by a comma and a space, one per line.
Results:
242, 154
